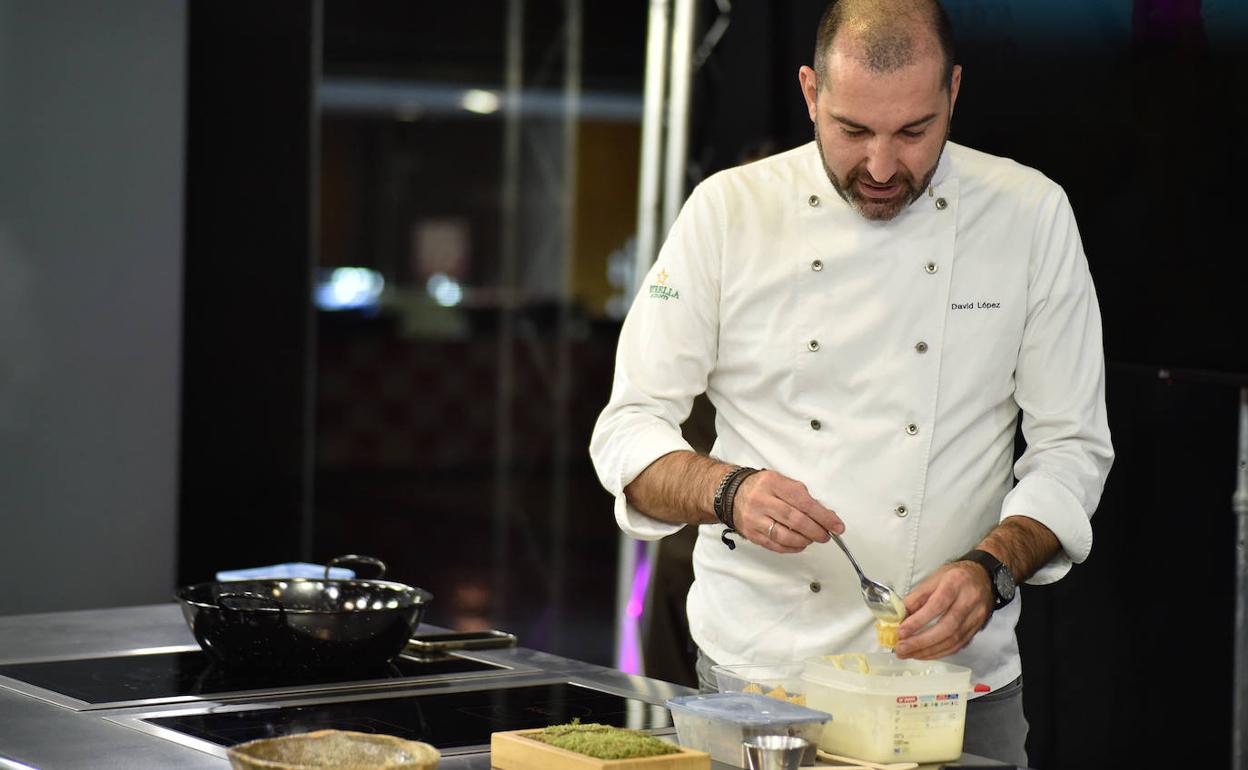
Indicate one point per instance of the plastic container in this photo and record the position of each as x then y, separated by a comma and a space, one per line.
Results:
895, 711
719, 723
782, 681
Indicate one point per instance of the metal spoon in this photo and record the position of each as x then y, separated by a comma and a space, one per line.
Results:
882, 600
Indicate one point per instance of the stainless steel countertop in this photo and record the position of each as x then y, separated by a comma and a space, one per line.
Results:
50, 737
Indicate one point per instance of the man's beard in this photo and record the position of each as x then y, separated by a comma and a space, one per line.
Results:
878, 209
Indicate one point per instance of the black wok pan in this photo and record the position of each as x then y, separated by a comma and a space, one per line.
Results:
304, 624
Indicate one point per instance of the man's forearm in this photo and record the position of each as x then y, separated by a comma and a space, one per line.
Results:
1023, 544
678, 487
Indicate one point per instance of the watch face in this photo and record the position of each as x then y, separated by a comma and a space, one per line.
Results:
1004, 583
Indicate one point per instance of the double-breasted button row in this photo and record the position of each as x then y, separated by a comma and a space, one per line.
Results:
930, 267
919, 347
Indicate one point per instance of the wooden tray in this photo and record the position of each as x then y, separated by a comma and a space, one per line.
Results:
513, 751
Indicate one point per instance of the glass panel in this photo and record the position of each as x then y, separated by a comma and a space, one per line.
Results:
481, 168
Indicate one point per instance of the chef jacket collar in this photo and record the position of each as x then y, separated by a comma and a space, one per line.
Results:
944, 171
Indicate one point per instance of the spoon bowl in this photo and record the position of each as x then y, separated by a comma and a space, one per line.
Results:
881, 600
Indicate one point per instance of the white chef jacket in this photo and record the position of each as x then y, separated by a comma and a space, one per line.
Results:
884, 365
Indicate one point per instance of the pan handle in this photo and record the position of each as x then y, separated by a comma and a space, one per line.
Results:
357, 559
265, 601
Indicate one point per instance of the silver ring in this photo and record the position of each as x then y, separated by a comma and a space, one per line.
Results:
769, 529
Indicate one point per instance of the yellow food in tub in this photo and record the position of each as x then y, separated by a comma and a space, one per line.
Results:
886, 633
779, 693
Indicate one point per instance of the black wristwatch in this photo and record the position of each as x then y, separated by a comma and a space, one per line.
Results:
1003, 588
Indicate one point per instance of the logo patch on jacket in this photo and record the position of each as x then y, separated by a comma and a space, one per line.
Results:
661, 290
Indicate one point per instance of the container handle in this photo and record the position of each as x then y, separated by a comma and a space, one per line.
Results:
357, 559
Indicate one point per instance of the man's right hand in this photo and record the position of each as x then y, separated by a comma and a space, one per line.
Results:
799, 519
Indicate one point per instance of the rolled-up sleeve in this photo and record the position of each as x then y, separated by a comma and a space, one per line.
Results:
1060, 388
667, 348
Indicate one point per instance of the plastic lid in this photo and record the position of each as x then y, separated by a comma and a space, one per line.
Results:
747, 709
297, 569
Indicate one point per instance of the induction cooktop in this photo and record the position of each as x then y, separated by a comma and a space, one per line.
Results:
116, 681
454, 722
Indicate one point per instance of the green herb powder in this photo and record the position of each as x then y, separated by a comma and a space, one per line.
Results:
603, 741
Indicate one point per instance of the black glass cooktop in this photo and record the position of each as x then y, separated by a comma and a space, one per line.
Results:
446, 720
171, 674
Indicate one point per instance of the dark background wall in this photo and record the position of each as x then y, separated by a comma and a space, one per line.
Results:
1134, 108
248, 331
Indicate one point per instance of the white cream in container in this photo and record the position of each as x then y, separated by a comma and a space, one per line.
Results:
889, 710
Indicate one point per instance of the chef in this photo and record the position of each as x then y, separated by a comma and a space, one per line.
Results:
870, 314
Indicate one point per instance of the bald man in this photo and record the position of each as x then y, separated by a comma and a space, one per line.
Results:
871, 314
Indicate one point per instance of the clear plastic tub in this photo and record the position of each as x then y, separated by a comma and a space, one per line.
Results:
782, 681
720, 722
889, 710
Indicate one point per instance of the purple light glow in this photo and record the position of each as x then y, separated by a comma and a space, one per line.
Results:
629, 651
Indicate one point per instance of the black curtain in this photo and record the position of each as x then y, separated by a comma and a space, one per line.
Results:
249, 252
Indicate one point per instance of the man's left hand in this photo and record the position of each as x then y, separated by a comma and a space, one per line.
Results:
958, 598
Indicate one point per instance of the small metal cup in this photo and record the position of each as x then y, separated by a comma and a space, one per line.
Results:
775, 752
